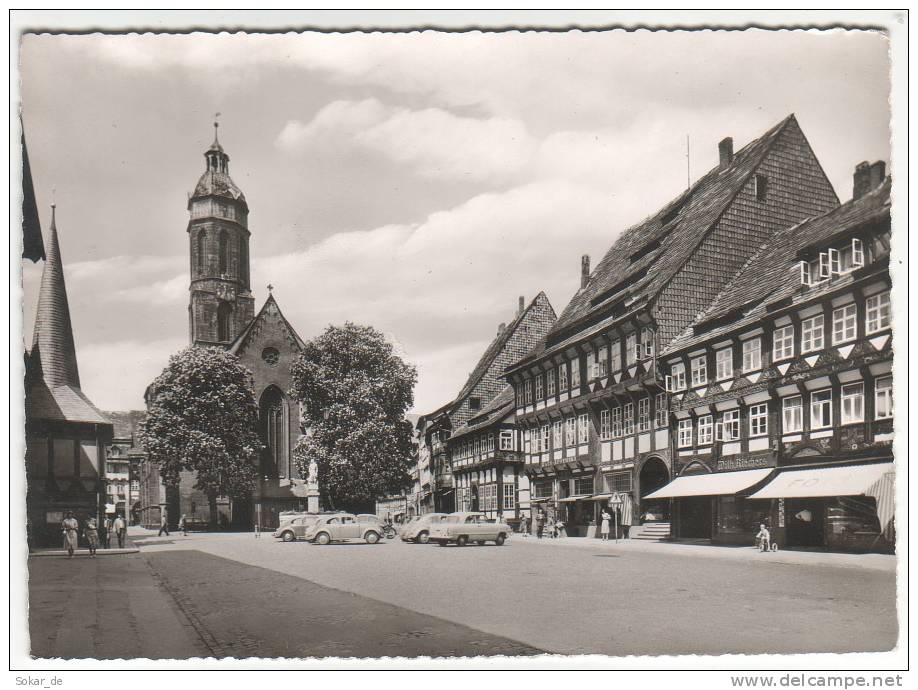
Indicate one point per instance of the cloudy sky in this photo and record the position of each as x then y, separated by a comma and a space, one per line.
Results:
417, 182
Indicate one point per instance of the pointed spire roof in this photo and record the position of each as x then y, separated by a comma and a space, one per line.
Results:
52, 342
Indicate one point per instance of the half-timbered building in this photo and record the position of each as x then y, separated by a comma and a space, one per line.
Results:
781, 391
590, 398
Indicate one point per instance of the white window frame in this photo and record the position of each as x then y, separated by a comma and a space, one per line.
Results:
844, 324
883, 397
631, 349
825, 271
722, 359
562, 377
685, 430
539, 388
806, 274
550, 382
675, 382
557, 434
820, 403
728, 428
754, 361
699, 366
878, 313
643, 418
602, 362
661, 410
834, 262
592, 369
647, 342
758, 420
616, 422
583, 429
616, 356
852, 395
783, 343
705, 430
575, 372
509, 498
792, 414
570, 432
605, 424
507, 439
809, 328
545, 436
857, 253
628, 419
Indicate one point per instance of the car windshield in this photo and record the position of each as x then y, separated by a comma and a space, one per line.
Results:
451, 519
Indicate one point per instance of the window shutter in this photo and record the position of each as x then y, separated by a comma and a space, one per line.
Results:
857, 252
806, 277
824, 271
669, 384
835, 265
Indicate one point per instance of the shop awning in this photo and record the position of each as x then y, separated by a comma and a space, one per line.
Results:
849, 480
600, 497
574, 499
713, 484
539, 500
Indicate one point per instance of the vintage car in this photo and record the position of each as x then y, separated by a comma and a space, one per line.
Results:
418, 528
461, 528
344, 527
293, 526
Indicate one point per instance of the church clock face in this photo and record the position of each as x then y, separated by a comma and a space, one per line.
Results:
226, 292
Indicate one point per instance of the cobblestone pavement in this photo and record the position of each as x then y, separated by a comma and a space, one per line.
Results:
602, 598
241, 596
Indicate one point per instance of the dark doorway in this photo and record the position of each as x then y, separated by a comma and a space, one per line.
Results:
243, 514
653, 476
695, 517
805, 519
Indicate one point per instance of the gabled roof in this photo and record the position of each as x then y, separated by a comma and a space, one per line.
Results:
492, 413
771, 274
53, 351
269, 307
647, 255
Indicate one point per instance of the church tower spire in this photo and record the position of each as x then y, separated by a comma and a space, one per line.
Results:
221, 302
52, 341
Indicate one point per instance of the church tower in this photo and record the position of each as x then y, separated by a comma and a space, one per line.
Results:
221, 303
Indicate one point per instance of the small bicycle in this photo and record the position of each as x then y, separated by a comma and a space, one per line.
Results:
763, 546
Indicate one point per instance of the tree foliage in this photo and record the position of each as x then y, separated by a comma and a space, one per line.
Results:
202, 416
354, 391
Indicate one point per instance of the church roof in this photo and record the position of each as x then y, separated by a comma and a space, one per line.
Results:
61, 404
269, 307
214, 183
52, 343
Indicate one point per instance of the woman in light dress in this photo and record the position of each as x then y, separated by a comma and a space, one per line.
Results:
605, 525
92, 536
70, 528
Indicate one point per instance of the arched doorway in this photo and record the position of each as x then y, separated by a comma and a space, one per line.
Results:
694, 514
654, 475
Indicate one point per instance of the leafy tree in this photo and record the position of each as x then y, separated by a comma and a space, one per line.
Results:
354, 392
202, 416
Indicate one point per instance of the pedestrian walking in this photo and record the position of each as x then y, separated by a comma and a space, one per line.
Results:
91, 532
524, 526
540, 524
71, 529
550, 525
604, 529
163, 525
183, 525
120, 527
257, 530
105, 533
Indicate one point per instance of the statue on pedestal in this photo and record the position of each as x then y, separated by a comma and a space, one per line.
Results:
312, 487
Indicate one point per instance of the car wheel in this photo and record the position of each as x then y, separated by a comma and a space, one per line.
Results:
371, 537
288, 536
501, 538
462, 540
423, 538
323, 538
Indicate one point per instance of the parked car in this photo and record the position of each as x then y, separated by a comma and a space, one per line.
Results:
344, 527
418, 528
294, 526
461, 528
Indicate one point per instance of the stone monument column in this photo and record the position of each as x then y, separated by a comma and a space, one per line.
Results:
312, 488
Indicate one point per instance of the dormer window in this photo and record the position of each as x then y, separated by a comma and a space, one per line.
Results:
474, 404
835, 261
761, 187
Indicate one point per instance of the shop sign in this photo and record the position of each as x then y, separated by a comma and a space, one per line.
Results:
744, 462
780, 512
616, 500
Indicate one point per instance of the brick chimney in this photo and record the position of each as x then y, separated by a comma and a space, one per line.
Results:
867, 177
584, 270
726, 152
500, 328
522, 306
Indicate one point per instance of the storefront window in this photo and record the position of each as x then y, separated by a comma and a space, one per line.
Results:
583, 486
737, 515
509, 496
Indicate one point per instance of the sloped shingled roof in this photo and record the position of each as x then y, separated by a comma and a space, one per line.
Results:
236, 346
678, 227
771, 275
493, 412
61, 404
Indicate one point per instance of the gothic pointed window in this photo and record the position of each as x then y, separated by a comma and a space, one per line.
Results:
224, 317
273, 423
199, 251
224, 252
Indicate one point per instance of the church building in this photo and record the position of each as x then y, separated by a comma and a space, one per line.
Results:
221, 313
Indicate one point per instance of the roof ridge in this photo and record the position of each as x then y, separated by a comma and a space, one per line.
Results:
237, 344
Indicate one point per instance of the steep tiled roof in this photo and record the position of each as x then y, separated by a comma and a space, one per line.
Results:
491, 413
771, 274
214, 183
648, 254
52, 343
494, 349
126, 422
61, 404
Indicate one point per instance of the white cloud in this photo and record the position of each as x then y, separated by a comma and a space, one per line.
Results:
115, 374
432, 142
